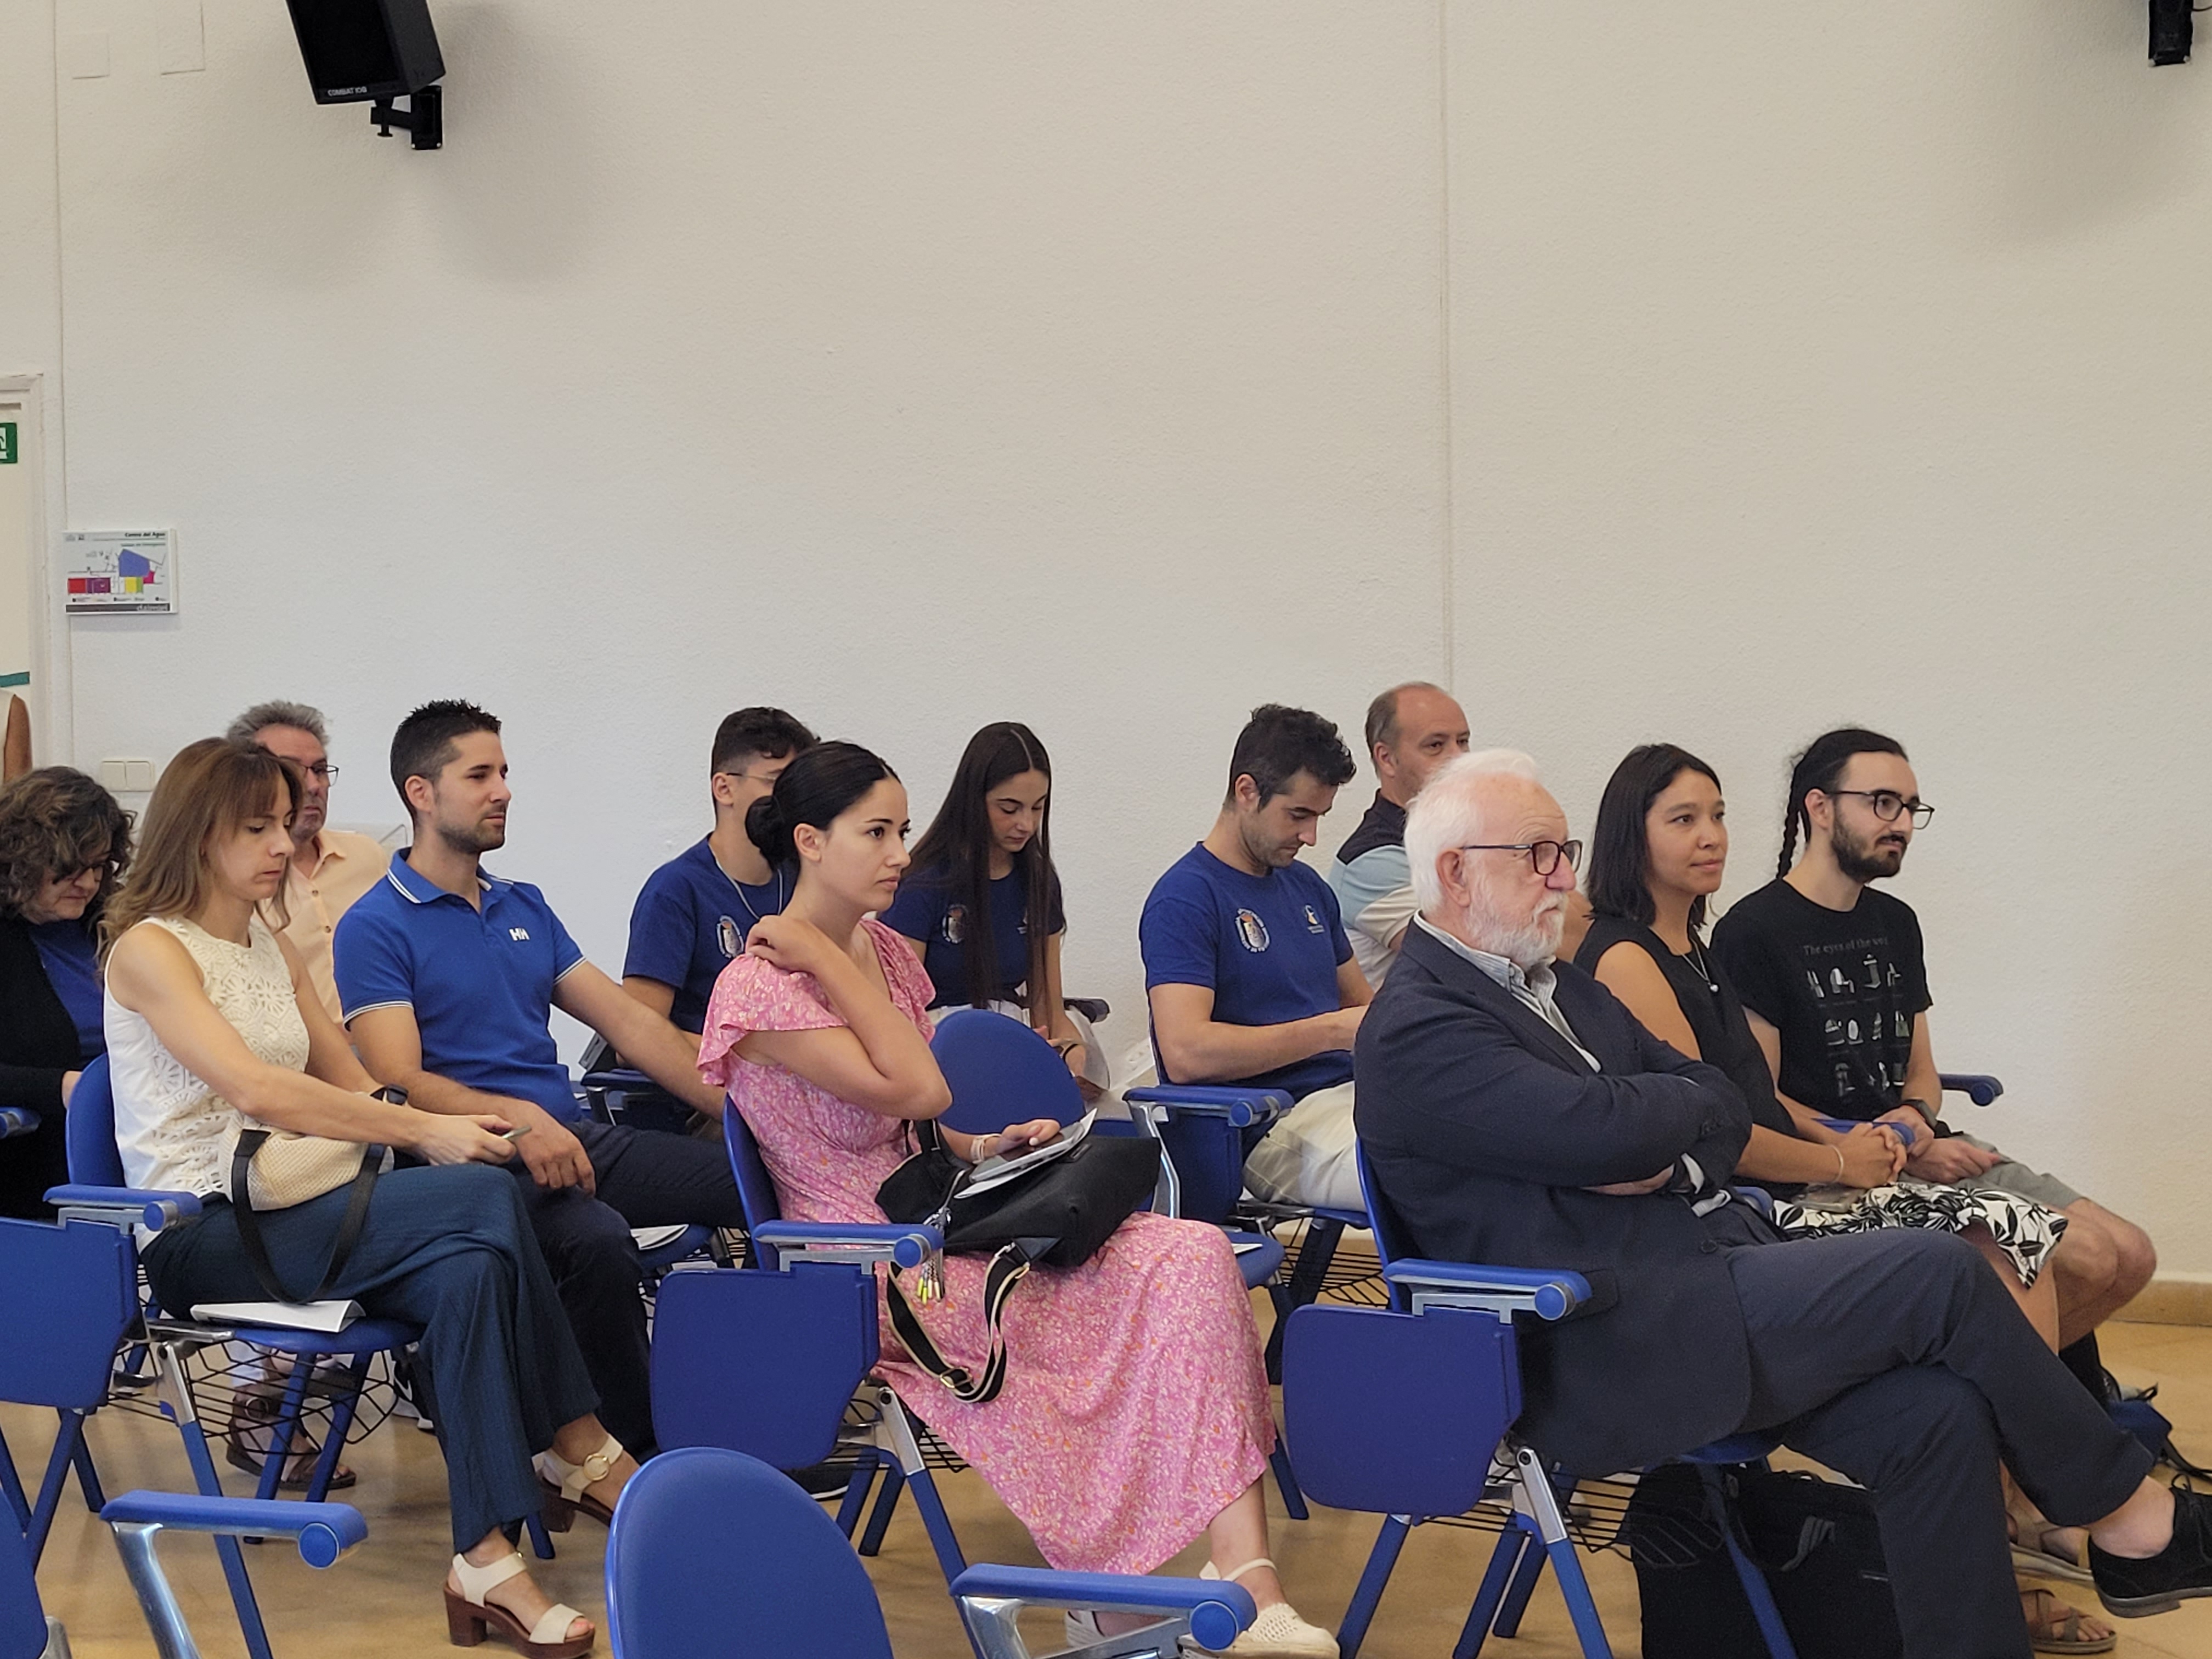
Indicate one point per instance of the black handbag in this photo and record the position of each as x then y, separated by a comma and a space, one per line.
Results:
1055, 1216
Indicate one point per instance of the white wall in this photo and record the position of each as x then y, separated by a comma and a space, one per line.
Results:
1114, 368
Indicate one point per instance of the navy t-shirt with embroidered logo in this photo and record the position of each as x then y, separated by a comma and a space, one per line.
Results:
928, 907
690, 921
1268, 947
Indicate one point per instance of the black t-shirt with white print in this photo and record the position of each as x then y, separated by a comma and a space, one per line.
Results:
1841, 986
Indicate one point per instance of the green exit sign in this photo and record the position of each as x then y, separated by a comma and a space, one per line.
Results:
11, 449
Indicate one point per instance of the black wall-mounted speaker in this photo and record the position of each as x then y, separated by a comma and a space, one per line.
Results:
359, 49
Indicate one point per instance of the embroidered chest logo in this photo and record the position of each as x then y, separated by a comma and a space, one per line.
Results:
1251, 931
518, 932
955, 928
727, 936
1313, 920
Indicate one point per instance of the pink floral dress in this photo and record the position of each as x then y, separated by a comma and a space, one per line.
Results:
1135, 1407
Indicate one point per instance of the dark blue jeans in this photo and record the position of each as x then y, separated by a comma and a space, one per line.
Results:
450, 1250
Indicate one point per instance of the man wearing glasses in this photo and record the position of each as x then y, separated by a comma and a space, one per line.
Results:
1832, 976
330, 868
694, 911
1513, 1112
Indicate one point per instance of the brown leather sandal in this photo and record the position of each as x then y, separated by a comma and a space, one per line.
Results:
470, 1618
2055, 1626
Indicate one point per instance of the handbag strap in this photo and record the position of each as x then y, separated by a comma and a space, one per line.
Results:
1007, 1269
249, 1222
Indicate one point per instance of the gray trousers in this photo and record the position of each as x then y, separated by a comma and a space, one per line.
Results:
1899, 1360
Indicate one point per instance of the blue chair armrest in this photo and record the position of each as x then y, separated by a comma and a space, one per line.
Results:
324, 1531
907, 1245
1978, 1086
1241, 1107
1549, 1293
117, 1204
17, 1121
1843, 1125
1217, 1611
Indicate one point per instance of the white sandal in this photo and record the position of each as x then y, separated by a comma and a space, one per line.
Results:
470, 1618
563, 1484
1277, 1633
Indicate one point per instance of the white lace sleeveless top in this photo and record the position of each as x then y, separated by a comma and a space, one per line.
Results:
174, 1131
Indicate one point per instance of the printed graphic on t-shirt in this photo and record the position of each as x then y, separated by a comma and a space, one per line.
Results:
1253, 932
1856, 986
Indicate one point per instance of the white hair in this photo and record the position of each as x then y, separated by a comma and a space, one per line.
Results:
1447, 812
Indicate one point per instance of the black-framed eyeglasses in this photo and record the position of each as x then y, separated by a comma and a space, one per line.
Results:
324, 770
1544, 856
1887, 803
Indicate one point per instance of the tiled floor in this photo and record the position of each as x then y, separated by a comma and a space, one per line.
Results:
383, 1600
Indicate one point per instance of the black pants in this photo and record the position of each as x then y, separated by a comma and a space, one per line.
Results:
31, 1164
1900, 1360
645, 1179
449, 1250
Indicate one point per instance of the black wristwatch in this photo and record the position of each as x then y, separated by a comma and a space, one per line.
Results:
390, 1093
1921, 1107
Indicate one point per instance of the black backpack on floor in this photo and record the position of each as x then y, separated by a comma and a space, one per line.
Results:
1815, 1539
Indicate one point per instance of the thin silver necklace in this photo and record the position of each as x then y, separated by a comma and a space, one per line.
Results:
1698, 960
738, 887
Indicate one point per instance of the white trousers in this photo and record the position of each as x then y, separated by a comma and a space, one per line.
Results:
1308, 1157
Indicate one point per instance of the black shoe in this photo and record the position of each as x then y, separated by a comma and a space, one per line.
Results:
2134, 1590
825, 1481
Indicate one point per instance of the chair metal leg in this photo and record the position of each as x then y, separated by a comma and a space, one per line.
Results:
11, 1488
177, 1402
1516, 1601
1512, 1543
541, 1541
88, 1476
69, 1435
281, 1433
1755, 1587
898, 1430
1533, 1497
865, 1463
879, 1518
1315, 1251
1372, 1580
326, 1464
1286, 1481
172, 1639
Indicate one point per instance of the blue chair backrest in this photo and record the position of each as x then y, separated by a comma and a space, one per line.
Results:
68, 1295
756, 1190
1391, 1243
1362, 1389
94, 1160
1001, 1071
761, 1363
22, 1620
714, 1552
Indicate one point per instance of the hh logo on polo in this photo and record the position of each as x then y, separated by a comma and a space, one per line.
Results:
518, 932
1252, 931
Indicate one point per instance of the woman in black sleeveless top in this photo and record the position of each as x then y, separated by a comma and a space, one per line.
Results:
1660, 848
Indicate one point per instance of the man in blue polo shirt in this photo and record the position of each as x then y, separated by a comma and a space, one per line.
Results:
448, 976
1250, 977
694, 911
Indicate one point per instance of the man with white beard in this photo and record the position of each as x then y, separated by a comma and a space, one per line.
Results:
1514, 1113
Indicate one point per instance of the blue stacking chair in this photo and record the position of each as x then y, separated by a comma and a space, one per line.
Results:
68, 1301
1359, 1386
69, 1297
688, 1514
96, 1194
887, 1439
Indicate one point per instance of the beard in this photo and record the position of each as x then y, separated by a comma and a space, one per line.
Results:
474, 839
1866, 861
1526, 943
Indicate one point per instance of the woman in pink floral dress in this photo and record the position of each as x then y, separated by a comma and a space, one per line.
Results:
1135, 1413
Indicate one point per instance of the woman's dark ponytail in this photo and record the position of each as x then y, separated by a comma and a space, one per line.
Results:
1821, 766
817, 788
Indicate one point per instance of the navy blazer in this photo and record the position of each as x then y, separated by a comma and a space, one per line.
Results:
1483, 1126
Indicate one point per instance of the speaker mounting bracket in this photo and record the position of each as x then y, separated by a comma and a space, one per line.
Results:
424, 117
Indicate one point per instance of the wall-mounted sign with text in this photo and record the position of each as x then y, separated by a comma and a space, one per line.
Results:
126, 572
11, 445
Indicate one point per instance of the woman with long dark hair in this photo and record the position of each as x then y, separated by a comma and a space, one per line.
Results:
214, 1028
63, 845
1134, 1415
981, 903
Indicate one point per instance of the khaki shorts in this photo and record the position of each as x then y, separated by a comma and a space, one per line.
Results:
2013, 1177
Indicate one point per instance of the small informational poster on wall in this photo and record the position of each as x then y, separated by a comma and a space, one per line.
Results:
119, 572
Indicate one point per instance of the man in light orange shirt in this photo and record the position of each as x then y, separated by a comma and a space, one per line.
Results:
330, 868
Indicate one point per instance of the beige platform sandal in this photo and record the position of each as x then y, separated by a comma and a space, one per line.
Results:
1277, 1633
470, 1618
563, 1484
